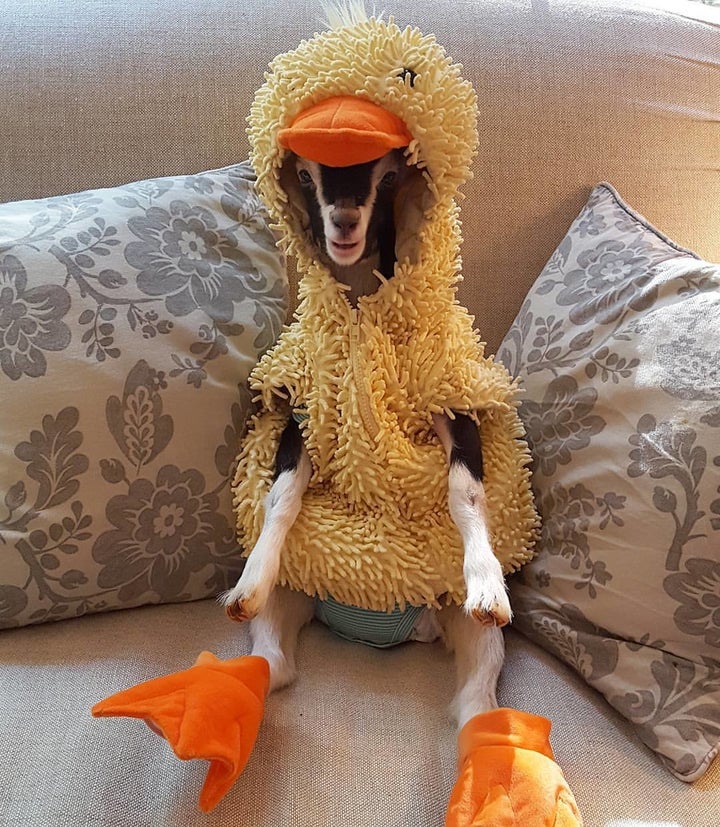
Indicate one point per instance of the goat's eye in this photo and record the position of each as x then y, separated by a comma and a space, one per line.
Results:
305, 178
388, 179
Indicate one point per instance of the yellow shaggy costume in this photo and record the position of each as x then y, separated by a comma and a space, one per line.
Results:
375, 530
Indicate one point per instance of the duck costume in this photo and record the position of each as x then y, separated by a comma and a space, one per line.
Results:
375, 529
374, 532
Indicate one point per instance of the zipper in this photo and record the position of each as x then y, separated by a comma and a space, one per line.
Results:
363, 397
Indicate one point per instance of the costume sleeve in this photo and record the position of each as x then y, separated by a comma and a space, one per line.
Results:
280, 375
446, 368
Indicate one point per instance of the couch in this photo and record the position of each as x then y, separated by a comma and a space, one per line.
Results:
98, 94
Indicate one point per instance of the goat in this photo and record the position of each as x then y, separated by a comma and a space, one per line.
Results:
352, 228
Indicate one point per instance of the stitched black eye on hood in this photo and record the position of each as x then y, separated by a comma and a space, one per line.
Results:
408, 74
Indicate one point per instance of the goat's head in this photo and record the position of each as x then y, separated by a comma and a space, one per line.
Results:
351, 208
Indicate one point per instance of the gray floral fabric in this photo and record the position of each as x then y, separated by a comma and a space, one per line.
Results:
617, 346
130, 319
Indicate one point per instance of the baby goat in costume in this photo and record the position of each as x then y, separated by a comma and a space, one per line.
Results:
380, 353
383, 481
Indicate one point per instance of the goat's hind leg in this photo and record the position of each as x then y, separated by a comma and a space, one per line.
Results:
479, 656
282, 505
274, 632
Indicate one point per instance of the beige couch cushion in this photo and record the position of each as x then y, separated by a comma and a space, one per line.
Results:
363, 737
571, 93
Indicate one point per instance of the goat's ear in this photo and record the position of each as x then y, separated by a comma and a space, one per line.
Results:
296, 214
412, 201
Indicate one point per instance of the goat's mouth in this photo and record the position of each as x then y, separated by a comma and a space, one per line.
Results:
345, 252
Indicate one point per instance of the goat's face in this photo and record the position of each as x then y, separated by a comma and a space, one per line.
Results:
349, 207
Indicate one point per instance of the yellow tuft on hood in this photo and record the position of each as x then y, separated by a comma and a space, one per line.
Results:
374, 529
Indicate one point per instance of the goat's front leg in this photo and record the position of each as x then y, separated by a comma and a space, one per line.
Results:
282, 505
487, 599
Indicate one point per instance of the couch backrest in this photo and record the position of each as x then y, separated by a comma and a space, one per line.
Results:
572, 92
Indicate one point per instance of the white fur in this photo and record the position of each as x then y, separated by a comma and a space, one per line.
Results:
479, 654
275, 629
282, 505
487, 599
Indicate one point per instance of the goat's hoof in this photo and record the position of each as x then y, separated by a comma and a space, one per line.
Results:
238, 612
496, 615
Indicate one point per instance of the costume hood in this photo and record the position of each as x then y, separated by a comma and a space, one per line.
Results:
404, 72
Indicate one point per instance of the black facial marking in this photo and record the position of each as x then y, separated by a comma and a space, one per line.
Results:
467, 446
381, 231
316, 222
347, 182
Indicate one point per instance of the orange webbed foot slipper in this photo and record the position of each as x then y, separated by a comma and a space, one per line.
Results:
508, 776
211, 711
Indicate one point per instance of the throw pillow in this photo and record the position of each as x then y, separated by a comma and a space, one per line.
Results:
129, 321
618, 350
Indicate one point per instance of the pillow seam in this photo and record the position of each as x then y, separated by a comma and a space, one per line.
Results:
645, 223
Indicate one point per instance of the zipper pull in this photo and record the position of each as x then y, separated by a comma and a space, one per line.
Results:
354, 325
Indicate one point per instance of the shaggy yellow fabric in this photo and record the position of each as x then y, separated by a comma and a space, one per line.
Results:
375, 529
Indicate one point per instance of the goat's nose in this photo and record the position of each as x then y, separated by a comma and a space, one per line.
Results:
345, 219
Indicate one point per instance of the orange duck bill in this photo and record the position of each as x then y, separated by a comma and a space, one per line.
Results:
343, 131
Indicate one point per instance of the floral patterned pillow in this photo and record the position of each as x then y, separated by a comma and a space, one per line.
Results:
129, 321
618, 349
